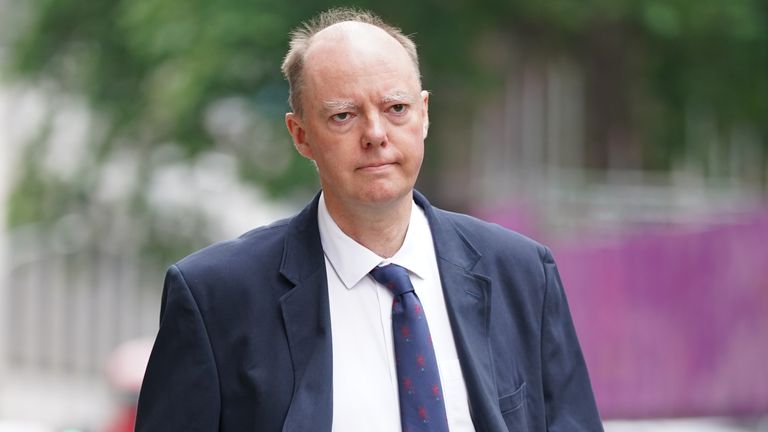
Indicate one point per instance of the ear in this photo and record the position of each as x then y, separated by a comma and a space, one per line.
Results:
299, 134
425, 111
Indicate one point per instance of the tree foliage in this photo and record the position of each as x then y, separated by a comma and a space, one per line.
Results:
204, 76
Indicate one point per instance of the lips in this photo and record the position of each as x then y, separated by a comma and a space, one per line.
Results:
376, 166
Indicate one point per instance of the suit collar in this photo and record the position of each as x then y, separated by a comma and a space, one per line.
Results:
303, 252
450, 244
468, 300
307, 320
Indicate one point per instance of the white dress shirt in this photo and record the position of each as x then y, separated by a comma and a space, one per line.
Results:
365, 396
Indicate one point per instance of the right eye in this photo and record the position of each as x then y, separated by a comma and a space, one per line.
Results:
341, 117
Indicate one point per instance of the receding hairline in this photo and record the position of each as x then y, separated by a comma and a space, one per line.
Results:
335, 20
347, 32
343, 28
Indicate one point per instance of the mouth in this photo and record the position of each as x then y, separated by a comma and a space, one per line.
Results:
376, 166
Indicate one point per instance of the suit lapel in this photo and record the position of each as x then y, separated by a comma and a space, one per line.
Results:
468, 300
306, 316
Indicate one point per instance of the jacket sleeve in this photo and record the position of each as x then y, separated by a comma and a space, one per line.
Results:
569, 402
180, 391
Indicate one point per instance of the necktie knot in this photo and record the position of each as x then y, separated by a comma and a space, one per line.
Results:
394, 277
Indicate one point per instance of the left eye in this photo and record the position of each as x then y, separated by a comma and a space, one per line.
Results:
398, 108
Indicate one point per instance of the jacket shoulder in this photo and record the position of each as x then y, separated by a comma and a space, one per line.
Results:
489, 238
259, 246
488, 231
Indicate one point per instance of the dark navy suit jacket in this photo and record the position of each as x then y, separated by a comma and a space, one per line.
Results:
245, 333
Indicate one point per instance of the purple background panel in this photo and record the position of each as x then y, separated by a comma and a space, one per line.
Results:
673, 320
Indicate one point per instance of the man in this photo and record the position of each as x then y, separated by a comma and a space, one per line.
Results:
306, 324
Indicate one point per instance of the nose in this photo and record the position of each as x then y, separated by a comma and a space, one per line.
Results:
375, 133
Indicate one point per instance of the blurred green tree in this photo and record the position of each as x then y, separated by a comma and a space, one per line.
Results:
201, 76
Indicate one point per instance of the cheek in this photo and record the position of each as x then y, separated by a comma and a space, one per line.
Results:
332, 159
415, 139
419, 155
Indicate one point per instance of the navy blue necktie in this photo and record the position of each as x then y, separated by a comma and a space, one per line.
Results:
421, 394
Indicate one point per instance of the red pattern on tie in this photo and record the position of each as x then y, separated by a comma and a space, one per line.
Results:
422, 407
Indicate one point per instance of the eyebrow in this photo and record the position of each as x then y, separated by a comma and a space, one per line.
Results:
397, 96
346, 105
338, 105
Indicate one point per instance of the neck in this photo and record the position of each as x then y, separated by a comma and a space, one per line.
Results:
381, 228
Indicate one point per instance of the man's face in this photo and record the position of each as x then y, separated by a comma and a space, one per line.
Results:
364, 116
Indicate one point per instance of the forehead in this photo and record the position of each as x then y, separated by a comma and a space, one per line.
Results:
357, 57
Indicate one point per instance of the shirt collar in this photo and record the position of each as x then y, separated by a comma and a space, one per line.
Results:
352, 261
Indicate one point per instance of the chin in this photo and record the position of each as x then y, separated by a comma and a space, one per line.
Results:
385, 195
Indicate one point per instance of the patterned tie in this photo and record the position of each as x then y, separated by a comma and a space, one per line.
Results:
421, 394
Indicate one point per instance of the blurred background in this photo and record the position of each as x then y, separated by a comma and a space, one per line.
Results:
631, 136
